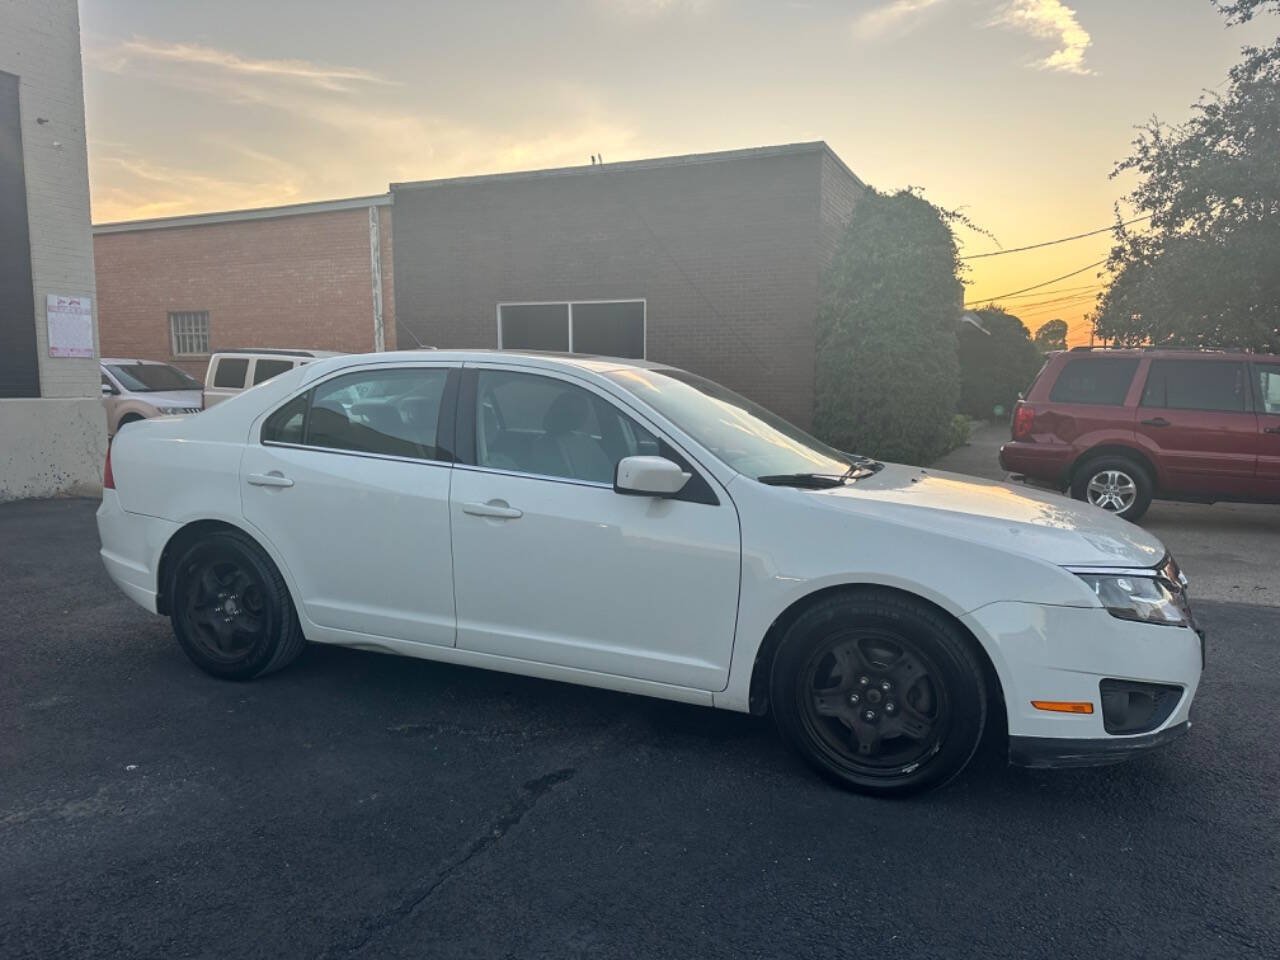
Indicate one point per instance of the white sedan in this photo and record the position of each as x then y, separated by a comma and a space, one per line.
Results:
635, 527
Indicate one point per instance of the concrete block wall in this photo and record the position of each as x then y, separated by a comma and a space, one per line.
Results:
40, 44
725, 249
54, 444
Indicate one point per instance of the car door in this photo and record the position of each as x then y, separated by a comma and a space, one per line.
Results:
1197, 417
552, 565
1266, 384
350, 482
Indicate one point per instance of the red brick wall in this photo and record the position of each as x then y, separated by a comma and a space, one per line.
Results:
301, 281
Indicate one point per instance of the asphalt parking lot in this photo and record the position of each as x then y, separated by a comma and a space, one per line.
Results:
370, 806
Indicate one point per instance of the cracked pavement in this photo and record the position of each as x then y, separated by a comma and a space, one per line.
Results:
371, 806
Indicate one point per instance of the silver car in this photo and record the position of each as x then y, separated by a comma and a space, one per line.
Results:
138, 389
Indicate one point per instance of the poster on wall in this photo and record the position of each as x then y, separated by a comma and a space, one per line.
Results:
70, 326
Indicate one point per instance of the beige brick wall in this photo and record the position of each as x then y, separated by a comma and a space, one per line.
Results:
40, 44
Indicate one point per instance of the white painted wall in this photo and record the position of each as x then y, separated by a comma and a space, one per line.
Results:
44, 447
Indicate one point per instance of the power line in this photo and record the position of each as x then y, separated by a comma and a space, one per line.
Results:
1083, 286
1037, 304
1037, 286
1050, 243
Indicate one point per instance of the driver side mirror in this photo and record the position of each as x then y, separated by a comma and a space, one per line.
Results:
108, 390
649, 477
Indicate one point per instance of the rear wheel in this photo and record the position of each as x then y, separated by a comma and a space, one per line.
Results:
1116, 484
231, 610
879, 692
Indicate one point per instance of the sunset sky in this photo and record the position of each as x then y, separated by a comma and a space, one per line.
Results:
1013, 111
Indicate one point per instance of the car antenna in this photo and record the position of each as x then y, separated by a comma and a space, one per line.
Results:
418, 342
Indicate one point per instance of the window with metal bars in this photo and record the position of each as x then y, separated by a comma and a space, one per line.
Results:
190, 333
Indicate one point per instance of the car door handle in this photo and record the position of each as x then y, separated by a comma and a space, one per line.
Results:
498, 509
1155, 422
273, 479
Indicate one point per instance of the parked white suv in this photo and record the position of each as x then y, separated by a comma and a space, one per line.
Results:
638, 528
138, 389
233, 371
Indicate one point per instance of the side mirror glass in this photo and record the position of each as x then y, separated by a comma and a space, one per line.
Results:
649, 477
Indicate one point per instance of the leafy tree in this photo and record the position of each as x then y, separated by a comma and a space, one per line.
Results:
887, 375
995, 365
1207, 272
1052, 335
1242, 11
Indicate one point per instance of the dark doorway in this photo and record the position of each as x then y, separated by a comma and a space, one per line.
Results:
19, 370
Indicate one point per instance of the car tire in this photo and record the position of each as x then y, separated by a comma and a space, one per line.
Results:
1115, 483
129, 418
880, 692
231, 610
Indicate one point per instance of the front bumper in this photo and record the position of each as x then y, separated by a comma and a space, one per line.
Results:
1055, 752
1053, 653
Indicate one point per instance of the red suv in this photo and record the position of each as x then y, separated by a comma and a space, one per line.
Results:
1121, 427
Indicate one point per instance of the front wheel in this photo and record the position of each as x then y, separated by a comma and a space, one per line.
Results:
231, 610
879, 692
1116, 484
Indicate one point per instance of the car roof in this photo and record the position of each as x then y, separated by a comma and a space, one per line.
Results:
595, 364
1174, 353
157, 363
279, 352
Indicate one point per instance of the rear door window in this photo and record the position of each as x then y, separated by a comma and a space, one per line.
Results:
1268, 387
230, 372
388, 412
1214, 385
1097, 380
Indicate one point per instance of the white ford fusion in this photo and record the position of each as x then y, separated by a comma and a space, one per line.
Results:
631, 526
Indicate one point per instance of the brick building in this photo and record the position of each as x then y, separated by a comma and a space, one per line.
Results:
52, 426
178, 288
711, 262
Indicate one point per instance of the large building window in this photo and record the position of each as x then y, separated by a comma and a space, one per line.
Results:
608, 328
190, 333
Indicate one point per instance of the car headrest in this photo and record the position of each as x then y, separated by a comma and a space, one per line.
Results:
567, 413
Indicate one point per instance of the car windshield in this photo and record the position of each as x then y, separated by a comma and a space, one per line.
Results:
151, 377
743, 434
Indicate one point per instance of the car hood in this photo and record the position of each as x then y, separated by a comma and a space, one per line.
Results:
168, 398
1038, 524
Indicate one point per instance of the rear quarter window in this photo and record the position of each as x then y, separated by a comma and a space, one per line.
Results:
264, 369
230, 372
1097, 380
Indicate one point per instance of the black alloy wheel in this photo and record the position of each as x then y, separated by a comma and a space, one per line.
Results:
231, 610
879, 691
869, 701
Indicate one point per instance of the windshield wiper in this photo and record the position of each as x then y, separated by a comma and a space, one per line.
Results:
859, 468
812, 481
862, 467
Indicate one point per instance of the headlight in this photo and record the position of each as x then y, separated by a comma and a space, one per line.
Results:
1137, 596
170, 411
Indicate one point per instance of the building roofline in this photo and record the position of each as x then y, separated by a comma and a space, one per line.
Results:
258, 213
683, 160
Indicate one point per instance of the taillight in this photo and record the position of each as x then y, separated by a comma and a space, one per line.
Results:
108, 478
1023, 417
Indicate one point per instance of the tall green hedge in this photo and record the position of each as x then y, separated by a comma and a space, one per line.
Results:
887, 374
